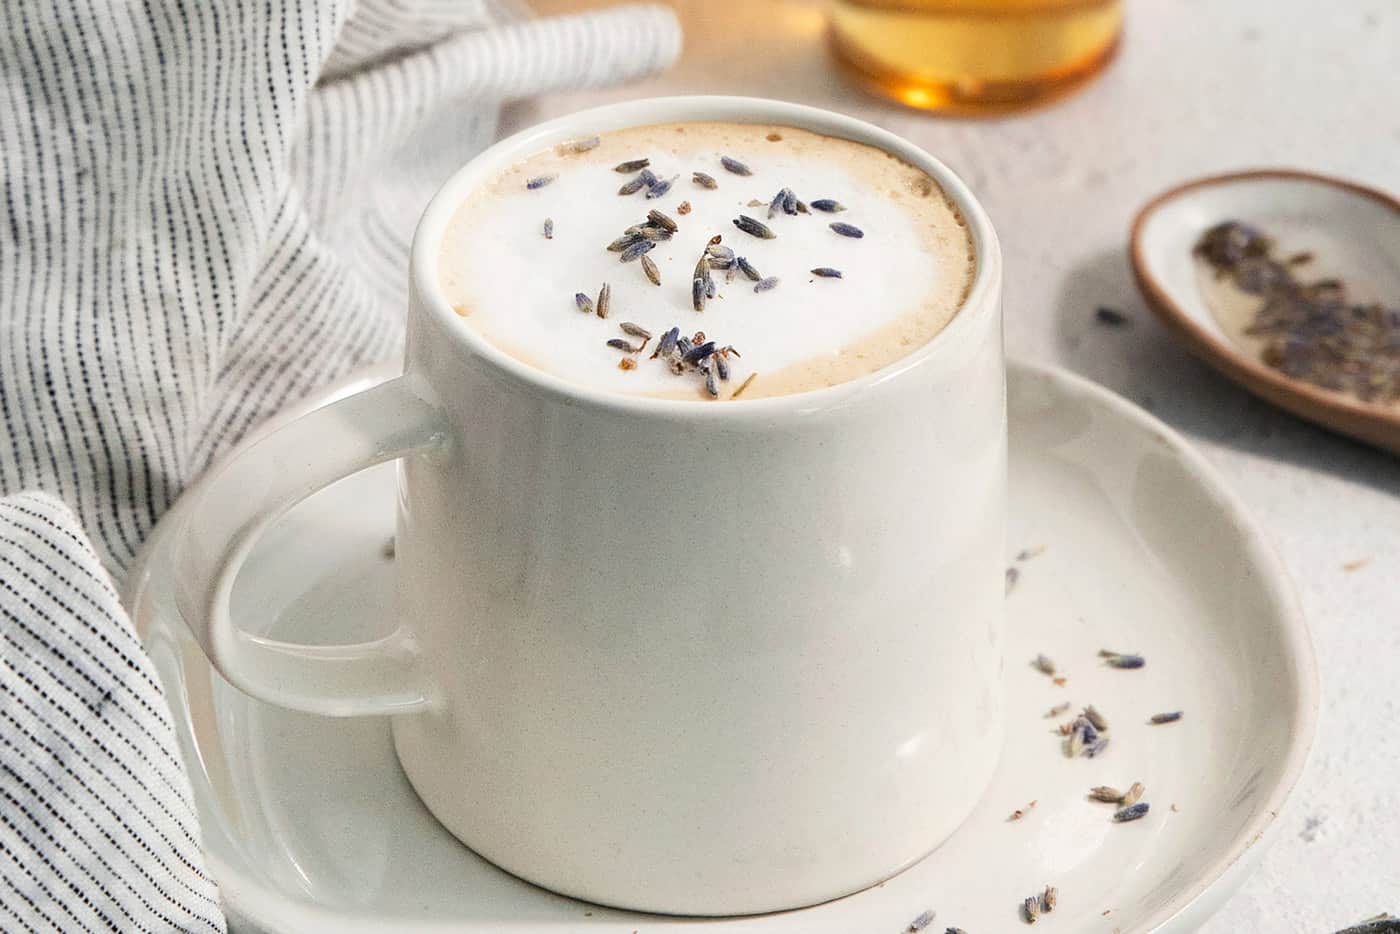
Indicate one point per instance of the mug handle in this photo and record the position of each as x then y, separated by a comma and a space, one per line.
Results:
244, 496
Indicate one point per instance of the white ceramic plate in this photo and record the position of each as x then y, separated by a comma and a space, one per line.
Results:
310, 827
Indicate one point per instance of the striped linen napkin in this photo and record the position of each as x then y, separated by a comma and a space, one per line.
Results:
207, 207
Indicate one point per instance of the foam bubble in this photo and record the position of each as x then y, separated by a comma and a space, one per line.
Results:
900, 283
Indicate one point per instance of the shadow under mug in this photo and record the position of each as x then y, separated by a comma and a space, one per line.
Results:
660, 654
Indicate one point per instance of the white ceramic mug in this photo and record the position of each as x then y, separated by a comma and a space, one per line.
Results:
686, 657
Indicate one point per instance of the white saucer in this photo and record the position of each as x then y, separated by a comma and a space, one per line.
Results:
310, 827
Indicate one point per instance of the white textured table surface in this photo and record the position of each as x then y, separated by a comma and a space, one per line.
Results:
1201, 86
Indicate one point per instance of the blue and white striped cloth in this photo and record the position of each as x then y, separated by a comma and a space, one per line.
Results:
207, 206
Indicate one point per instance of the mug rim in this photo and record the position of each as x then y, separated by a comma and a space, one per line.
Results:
427, 297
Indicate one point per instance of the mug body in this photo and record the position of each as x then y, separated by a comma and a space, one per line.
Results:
704, 658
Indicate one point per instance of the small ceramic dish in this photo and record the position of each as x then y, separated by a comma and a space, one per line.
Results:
1352, 231
1131, 543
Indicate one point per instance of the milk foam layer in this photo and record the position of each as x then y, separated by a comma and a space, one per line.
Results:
901, 283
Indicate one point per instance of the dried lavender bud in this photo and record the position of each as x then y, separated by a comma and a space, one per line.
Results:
801, 207
661, 220
753, 228
1043, 664
734, 165
1171, 717
652, 273
684, 344
585, 144
747, 268
1082, 736
721, 362
826, 272
1050, 899
604, 300
1031, 908
776, 205
633, 186
789, 201
637, 250
847, 230
711, 386
655, 234
719, 257
703, 180
633, 165
1092, 714
924, 919
1075, 744
1126, 661
549, 228
660, 187
618, 343
1132, 813
584, 303
764, 285
635, 330
540, 181
699, 352
698, 293
1134, 794
710, 288
1110, 316
1230, 242
648, 177
827, 206
624, 241
667, 343
1106, 793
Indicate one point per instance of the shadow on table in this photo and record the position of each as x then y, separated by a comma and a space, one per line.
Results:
1141, 361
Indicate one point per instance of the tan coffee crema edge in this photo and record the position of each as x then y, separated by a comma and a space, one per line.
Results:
941, 252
